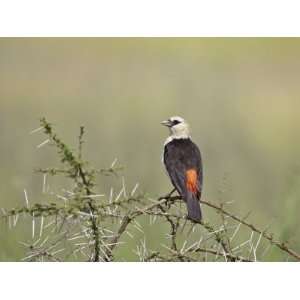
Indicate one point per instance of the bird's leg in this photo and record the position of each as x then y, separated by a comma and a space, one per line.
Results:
168, 196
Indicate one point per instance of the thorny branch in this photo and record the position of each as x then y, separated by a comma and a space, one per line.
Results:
90, 226
76, 172
281, 245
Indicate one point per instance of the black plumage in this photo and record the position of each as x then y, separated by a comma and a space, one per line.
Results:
182, 160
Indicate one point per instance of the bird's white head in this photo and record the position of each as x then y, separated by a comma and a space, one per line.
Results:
179, 128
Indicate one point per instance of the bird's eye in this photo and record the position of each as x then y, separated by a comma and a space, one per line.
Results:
175, 122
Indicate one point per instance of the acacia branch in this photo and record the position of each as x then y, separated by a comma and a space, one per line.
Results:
84, 212
93, 217
281, 245
269, 237
127, 220
218, 253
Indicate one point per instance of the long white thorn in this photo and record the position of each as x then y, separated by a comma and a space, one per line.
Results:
76, 237
24, 244
43, 143
134, 189
183, 246
36, 130
26, 199
33, 225
57, 251
92, 196
138, 228
190, 247
49, 224
41, 226
124, 187
28, 257
241, 245
235, 232
44, 183
150, 220
129, 234
113, 163
256, 246
107, 230
118, 243
199, 242
225, 256
137, 223
16, 219
44, 241
119, 195
62, 198
111, 195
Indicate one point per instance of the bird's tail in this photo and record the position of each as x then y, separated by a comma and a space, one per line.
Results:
193, 207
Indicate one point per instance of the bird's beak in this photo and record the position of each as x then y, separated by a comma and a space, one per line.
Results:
167, 123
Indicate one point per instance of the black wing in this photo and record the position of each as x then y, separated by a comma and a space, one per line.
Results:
181, 155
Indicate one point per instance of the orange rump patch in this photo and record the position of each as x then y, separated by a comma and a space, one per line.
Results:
191, 180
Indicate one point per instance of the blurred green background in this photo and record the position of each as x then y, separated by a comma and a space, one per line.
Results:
240, 96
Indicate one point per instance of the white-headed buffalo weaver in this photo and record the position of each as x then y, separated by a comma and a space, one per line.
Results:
182, 160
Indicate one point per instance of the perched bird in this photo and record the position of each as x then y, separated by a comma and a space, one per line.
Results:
182, 160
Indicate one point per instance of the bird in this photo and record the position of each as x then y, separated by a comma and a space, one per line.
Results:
183, 163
